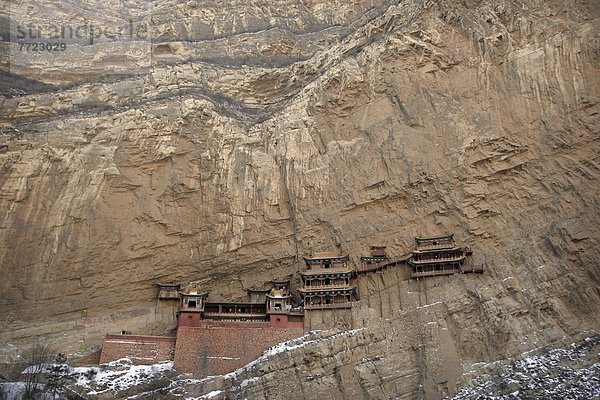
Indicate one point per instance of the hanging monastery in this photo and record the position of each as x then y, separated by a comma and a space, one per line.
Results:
216, 337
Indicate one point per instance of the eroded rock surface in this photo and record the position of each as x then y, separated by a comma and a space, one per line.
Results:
233, 140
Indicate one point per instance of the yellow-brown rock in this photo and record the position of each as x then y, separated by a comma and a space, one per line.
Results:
237, 136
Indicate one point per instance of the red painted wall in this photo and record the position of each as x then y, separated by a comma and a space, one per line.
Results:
220, 347
205, 347
144, 350
189, 319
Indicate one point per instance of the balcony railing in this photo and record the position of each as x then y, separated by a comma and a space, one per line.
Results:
168, 296
464, 270
381, 264
240, 315
326, 287
327, 271
197, 309
436, 246
326, 306
478, 269
441, 259
422, 274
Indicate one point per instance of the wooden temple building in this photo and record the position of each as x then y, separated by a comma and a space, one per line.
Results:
279, 306
191, 307
264, 305
439, 256
217, 337
258, 294
378, 260
168, 291
327, 282
378, 254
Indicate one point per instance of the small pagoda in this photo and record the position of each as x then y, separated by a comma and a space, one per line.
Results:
258, 294
375, 261
280, 310
191, 307
168, 291
327, 282
438, 256
193, 301
278, 298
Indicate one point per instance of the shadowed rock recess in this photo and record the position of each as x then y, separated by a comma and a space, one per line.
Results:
232, 138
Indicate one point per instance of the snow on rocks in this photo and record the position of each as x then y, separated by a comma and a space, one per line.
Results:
313, 337
571, 373
119, 375
251, 374
16, 391
429, 305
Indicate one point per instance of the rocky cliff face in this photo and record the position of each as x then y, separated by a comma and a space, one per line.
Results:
227, 140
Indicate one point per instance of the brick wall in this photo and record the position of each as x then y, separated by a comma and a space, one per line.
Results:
90, 359
140, 349
216, 348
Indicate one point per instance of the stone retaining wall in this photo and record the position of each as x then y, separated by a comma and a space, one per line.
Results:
140, 349
220, 347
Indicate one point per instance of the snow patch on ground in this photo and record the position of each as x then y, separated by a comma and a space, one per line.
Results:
16, 391
97, 380
207, 396
224, 358
429, 305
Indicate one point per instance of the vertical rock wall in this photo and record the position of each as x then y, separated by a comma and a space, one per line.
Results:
378, 122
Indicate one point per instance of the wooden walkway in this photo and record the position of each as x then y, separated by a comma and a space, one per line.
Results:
464, 270
327, 306
382, 264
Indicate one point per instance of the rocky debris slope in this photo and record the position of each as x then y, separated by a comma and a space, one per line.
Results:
120, 379
305, 371
428, 345
391, 120
571, 373
343, 365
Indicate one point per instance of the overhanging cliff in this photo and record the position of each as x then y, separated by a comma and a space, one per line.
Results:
239, 138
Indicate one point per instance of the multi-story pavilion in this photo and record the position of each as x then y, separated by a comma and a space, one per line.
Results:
327, 282
438, 256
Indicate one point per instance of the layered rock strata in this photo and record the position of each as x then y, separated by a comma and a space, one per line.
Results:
213, 152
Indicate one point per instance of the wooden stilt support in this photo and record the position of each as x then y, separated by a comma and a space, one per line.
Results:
398, 282
380, 299
419, 290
